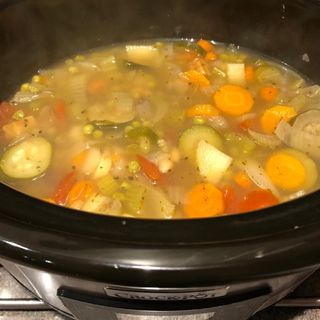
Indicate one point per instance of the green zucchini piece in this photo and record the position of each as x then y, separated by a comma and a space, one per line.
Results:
139, 132
191, 137
27, 159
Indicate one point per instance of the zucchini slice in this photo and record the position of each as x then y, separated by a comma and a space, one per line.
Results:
27, 159
191, 137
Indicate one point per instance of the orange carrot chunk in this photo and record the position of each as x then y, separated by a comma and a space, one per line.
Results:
81, 190
60, 110
61, 194
197, 78
249, 73
97, 86
202, 110
211, 56
206, 45
272, 116
242, 179
204, 200
258, 199
233, 100
150, 169
268, 93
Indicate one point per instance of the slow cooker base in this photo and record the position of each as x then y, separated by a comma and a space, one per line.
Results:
82, 299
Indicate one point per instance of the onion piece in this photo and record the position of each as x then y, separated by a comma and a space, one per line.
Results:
144, 55
219, 123
311, 91
294, 196
236, 73
25, 97
304, 135
265, 140
258, 176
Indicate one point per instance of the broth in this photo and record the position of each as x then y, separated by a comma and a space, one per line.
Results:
163, 129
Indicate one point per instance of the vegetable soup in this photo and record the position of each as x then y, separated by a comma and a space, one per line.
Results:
168, 129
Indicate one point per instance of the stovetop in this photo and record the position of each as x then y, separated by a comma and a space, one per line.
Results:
22, 304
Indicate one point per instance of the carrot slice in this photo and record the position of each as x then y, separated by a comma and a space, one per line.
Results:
249, 73
59, 109
81, 190
258, 199
150, 169
202, 110
197, 78
206, 45
204, 200
272, 116
242, 179
268, 93
61, 194
6, 112
211, 56
286, 171
97, 86
233, 100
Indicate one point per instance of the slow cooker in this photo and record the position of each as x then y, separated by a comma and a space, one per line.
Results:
99, 267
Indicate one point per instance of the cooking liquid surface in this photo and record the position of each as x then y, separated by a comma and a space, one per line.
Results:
163, 129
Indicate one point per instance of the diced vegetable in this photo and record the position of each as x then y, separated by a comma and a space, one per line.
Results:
156, 205
191, 137
239, 145
102, 205
81, 191
249, 73
197, 78
104, 165
258, 175
311, 91
272, 116
6, 112
107, 185
144, 54
233, 100
19, 128
292, 170
134, 197
87, 161
150, 169
138, 132
269, 93
212, 163
203, 201
60, 110
265, 140
211, 56
304, 135
62, 191
27, 159
242, 179
268, 74
257, 200
206, 45
236, 73
96, 86
202, 110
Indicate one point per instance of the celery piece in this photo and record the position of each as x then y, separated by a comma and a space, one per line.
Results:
107, 185
239, 144
268, 74
134, 198
188, 45
138, 132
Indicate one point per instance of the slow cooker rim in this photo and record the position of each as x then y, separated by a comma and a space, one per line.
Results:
253, 225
